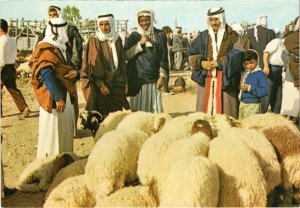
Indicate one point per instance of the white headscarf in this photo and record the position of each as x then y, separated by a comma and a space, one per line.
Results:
216, 12
146, 13
261, 20
296, 25
238, 28
56, 34
111, 37
58, 10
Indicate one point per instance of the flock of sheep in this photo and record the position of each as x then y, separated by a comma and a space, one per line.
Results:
148, 160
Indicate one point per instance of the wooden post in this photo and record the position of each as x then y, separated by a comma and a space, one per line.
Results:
16, 29
27, 34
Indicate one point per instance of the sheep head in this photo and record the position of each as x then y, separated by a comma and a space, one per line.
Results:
202, 126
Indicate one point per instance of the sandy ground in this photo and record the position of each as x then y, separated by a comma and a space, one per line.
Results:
20, 135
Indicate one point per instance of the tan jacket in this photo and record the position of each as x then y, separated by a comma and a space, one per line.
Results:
47, 55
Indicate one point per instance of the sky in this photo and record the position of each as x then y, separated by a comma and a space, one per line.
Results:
190, 15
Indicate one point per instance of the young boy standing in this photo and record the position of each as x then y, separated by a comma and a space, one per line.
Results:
253, 86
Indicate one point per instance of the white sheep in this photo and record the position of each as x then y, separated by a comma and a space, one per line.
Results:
113, 161
191, 182
263, 150
242, 182
72, 192
153, 149
38, 175
110, 123
133, 196
285, 137
24, 70
222, 122
74, 169
195, 145
149, 123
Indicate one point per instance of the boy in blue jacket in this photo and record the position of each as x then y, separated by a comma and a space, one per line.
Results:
253, 85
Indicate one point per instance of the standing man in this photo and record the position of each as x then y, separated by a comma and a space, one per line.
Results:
8, 53
147, 51
74, 51
53, 82
104, 80
167, 30
207, 55
274, 57
178, 48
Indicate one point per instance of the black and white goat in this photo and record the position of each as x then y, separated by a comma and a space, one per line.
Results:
91, 120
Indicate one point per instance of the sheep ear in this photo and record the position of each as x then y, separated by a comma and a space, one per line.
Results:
159, 124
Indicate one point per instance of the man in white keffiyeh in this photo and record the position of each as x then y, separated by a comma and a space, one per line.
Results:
56, 34
53, 82
147, 55
104, 80
208, 55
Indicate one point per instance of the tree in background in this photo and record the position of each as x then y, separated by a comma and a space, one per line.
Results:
71, 14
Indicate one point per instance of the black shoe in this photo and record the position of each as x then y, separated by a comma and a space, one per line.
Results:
9, 191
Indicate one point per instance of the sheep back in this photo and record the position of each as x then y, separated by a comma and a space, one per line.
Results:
263, 150
152, 150
72, 192
195, 145
110, 123
113, 161
74, 169
241, 179
191, 182
137, 196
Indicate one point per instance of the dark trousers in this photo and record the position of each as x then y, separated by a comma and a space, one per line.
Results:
274, 96
8, 79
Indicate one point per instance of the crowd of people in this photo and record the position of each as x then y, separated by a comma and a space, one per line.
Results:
238, 72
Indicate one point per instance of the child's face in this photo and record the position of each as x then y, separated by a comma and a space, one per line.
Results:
251, 65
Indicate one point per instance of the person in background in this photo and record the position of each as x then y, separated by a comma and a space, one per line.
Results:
53, 82
275, 55
167, 30
243, 42
104, 80
291, 95
178, 48
5, 191
253, 85
147, 50
8, 53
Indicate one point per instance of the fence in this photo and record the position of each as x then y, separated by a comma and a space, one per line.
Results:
26, 32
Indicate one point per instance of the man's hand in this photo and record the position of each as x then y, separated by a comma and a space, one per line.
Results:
266, 70
213, 64
72, 74
144, 39
60, 105
160, 82
126, 89
206, 65
104, 90
244, 87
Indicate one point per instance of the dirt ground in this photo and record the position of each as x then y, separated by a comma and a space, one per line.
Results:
20, 135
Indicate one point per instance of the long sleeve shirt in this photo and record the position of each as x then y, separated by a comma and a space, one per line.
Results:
257, 88
8, 50
55, 87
